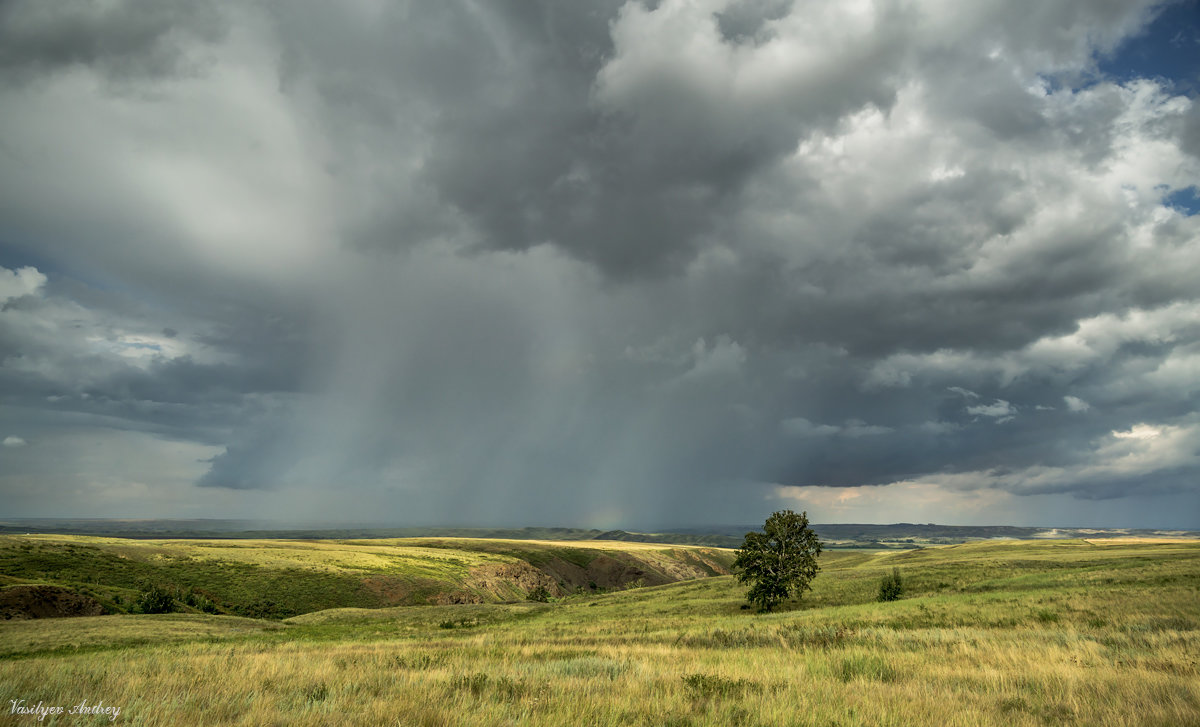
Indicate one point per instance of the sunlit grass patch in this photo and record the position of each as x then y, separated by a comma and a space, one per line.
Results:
20, 638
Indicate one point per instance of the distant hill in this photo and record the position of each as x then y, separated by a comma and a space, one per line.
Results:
896, 535
836, 535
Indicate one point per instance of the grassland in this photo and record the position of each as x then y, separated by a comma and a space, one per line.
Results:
1013, 633
282, 578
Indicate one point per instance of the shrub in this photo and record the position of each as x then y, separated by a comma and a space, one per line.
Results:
891, 587
263, 608
155, 600
473, 683
540, 594
315, 692
199, 601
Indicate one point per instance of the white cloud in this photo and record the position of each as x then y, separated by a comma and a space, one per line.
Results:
999, 409
1139, 431
853, 428
1093, 342
14, 442
19, 282
724, 357
676, 76
1139, 452
1076, 404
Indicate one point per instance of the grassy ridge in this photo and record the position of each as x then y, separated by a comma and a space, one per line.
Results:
1025, 633
278, 578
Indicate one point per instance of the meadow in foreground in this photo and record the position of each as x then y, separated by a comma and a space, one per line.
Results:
1017, 633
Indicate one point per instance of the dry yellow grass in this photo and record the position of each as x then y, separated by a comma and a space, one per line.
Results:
336, 556
1031, 634
957, 677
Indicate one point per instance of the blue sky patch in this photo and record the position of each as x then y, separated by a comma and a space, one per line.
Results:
1169, 48
1185, 200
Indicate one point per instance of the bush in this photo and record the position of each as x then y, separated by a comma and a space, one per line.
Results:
315, 692
473, 683
199, 601
263, 608
205, 604
155, 600
540, 594
891, 587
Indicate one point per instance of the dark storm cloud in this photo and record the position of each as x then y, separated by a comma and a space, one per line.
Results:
74, 365
742, 21
566, 126
614, 263
129, 38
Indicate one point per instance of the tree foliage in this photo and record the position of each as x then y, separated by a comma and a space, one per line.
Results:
891, 587
155, 600
541, 594
781, 561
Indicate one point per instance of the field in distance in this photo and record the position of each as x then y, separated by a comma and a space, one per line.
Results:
834, 535
993, 633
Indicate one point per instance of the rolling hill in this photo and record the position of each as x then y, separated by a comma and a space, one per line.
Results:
282, 578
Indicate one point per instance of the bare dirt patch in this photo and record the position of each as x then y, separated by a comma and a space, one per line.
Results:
500, 579
26, 602
391, 591
453, 598
623, 569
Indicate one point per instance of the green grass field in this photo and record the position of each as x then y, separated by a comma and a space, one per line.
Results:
996, 633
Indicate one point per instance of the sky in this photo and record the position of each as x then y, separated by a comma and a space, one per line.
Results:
601, 264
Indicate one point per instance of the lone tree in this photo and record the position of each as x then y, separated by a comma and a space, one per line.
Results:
779, 562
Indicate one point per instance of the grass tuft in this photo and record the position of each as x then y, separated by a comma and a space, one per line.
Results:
713, 686
871, 667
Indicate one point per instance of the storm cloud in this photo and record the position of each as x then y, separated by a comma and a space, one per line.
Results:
608, 264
